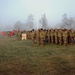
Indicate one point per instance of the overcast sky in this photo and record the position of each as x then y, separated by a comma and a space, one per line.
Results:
15, 10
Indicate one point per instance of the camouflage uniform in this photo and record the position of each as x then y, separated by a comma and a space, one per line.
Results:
60, 37
52, 36
38, 37
56, 36
72, 35
19, 35
68, 36
46, 37
49, 36
33, 36
42, 37
65, 37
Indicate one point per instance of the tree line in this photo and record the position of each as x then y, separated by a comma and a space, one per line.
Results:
30, 23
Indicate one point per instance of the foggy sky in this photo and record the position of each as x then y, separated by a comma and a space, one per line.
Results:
15, 10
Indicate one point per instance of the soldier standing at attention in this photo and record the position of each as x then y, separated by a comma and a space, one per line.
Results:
49, 36
42, 37
38, 37
19, 35
60, 36
45, 35
52, 36
65, 37
72, 35
68, 36
56, 36
33, 36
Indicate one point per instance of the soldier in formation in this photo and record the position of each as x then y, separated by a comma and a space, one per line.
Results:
53, 36
38, 37
50, 36
19, 35
33, 35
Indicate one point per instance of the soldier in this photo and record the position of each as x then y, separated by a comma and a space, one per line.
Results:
56, 36
46, 37
33, 36
29, 35
72, 35
68, 36
60, 37
42, 37
49, 36
19, 35
65, 37
38, 37
52, 36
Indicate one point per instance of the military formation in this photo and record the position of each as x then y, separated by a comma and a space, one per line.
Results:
53, 36
49, 36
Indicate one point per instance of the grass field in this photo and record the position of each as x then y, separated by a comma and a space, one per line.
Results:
23, 58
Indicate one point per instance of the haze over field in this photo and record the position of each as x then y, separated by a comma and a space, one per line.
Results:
18, 11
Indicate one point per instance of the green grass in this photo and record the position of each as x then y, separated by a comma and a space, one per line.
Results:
23, 58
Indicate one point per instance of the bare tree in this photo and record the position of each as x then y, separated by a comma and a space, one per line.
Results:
18, 25
68, 23
65, 21
30, 22
44, 22
72, 23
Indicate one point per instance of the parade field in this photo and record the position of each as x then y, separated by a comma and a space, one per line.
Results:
24, 58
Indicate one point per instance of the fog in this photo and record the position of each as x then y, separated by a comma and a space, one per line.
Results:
35, 14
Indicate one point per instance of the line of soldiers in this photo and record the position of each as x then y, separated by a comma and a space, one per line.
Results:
53, 36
